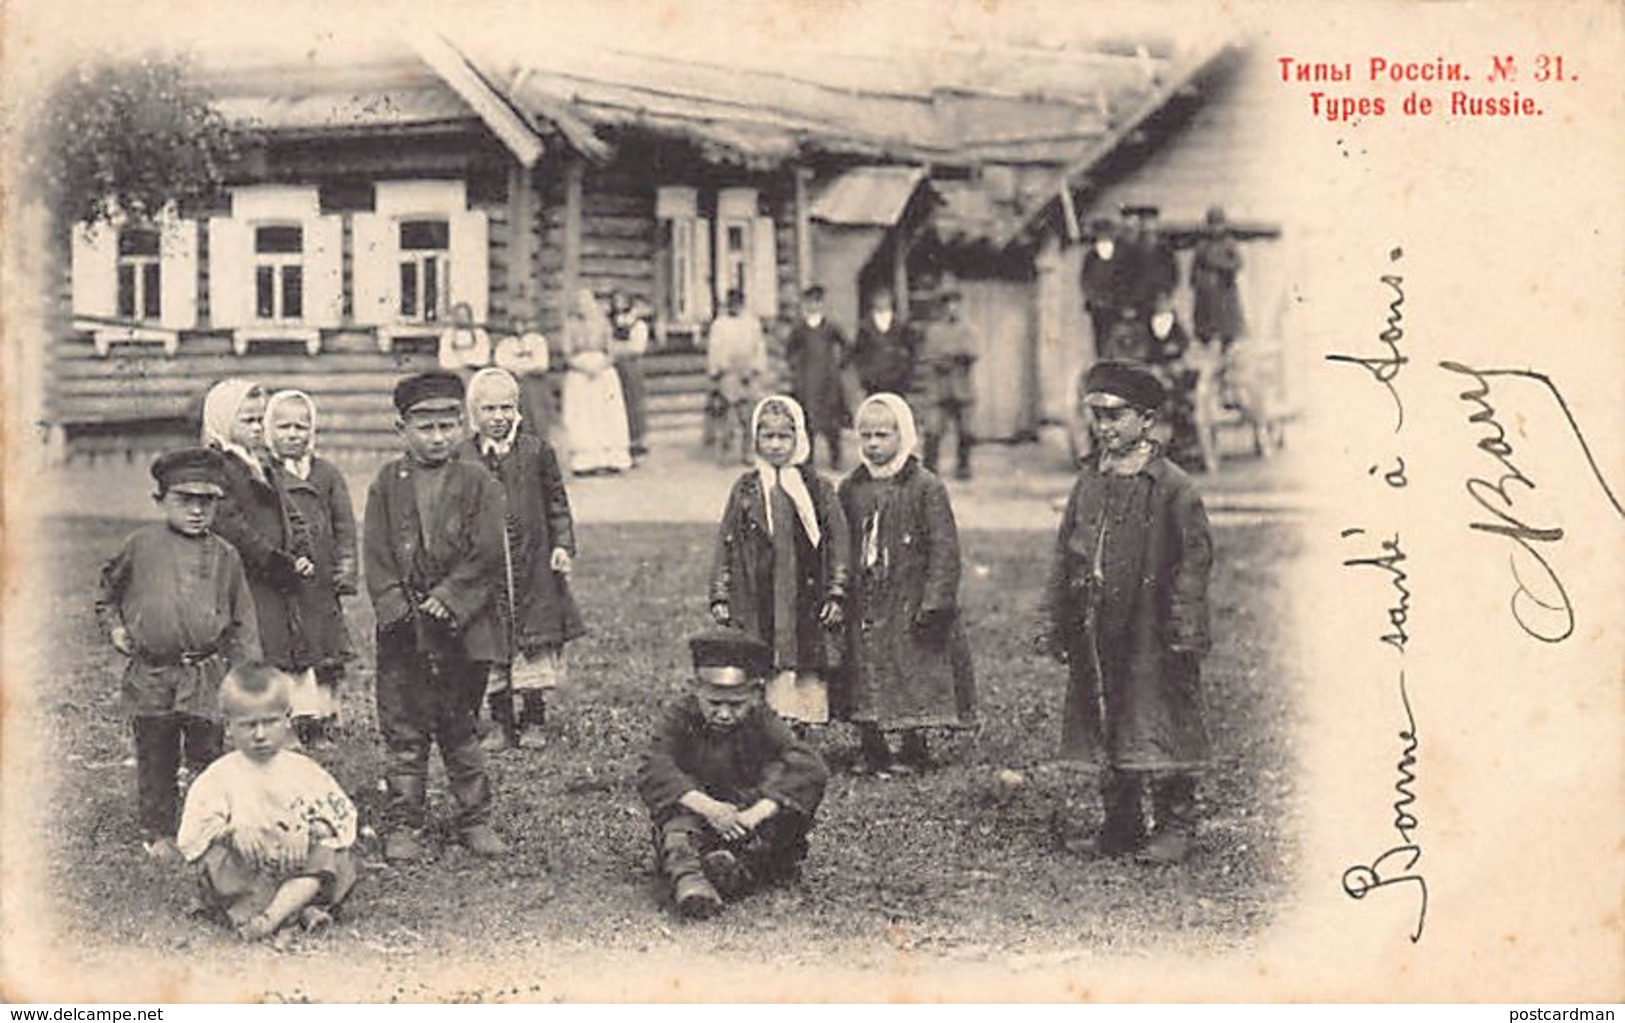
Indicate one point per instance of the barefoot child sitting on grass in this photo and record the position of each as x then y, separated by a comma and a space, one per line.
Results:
175, 601
270, 831
731, 791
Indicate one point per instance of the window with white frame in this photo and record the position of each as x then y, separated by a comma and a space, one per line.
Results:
140, 274
279, 272
276, 267
700, 260
425, 268
420, 253
135, 282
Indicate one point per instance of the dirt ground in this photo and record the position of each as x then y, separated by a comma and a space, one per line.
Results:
951, 866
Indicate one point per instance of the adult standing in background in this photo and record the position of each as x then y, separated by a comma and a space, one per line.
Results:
630, 344
464, 346
1104, 281
1215, 267
594, 408
883, 355
816, 351
524, 353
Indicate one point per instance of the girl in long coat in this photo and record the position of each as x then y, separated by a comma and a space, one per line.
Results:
1127, 609
251, 516
594, 407
535, 599
780, 571
319, 523
909, 666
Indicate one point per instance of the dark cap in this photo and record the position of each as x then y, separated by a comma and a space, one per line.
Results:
1215, 215
191, 471
1102, 227
1141, 210
813, 293
730, 648
444, 390
1113, 383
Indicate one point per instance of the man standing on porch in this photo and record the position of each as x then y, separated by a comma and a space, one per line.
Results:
816, 351
884, 354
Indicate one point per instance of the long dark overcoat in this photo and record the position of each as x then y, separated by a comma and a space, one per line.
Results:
760, 757
898, 674
538, 520
320, 525
743, 566
457, 556
1143, 710
816, 355
1214, 268
251, 518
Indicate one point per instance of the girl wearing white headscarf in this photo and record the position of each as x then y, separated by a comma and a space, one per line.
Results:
908, 665
780, 571
251, 516
319, 526
594, 408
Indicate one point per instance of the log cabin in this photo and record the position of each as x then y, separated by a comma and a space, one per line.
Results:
463, 167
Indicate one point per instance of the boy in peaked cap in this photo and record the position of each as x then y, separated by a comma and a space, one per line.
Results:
1126, 605
731, 790
432, 553
175, 601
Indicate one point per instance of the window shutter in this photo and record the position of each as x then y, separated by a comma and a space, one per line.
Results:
470, 262
764, 269
324, 271
374, 272
95, 269
231, 272
177, 254
704, 273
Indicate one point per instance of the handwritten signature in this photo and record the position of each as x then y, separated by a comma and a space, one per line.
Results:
1385, 368
1397, 865
1540, 603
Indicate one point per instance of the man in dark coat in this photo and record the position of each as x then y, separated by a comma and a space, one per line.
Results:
1127, 609
948, 354
1105, 283
816, 351
731, 791
432, 555
883, 356
1214, 268
1152, 271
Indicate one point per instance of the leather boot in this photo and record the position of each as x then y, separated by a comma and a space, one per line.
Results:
408, 807
1123, 828
1173, 805
506, 734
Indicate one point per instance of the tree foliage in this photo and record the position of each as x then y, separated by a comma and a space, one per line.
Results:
130, 136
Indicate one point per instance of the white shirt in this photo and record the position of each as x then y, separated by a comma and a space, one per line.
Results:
265, 809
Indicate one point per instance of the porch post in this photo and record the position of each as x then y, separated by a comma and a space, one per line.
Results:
522, 284
804, 257
571, 277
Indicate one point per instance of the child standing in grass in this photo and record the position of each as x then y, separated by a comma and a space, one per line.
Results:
731, 791
1127, 610
175, 601
433, 557
270, 831
533, 601
909, 666
780, 567
319, 523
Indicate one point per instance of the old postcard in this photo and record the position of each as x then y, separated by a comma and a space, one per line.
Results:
811, 501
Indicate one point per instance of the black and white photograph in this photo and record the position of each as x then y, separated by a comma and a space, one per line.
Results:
700, 501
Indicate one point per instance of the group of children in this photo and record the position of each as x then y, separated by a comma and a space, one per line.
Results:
831, 602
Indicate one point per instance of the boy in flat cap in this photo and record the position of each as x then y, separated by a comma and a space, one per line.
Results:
731, 790
175, 601
1127, 610
432, 554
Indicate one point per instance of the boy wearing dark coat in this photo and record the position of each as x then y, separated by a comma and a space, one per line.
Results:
175, 601
883, 354
1127, 609
533, 603
432, 555
731, 791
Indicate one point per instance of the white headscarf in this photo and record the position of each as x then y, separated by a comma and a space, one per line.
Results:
908, 435
794, 486
484, 380
220, 409
300, 467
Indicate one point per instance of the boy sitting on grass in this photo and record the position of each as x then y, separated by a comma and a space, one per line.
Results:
731, 790
270, 830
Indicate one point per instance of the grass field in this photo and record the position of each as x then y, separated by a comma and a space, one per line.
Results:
950, 864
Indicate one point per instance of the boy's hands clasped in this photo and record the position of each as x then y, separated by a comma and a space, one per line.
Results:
726, 819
